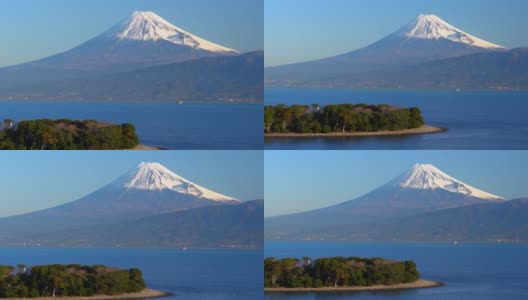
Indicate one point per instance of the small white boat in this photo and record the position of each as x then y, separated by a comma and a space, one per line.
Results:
180, 102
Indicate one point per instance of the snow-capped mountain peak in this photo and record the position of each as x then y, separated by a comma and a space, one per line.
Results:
429, 177
148, 26
153, 176
433, 27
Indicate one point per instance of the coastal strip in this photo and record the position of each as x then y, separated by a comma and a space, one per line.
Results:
419, 284
145, 147
420, 130
146, 293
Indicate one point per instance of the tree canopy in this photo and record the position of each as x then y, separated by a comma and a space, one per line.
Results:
339, 118
65, 134
336, 272
68, 280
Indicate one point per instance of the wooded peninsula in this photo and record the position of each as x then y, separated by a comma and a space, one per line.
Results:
65, 134
340, 119
68, 280
340, 273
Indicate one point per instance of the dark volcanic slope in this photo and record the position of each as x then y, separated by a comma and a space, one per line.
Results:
237, 77
215, 226
492, 70
507, 221
387, 53
485, 222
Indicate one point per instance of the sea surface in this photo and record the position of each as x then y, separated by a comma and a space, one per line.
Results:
468, 271
474, 119
167, 125
192, 274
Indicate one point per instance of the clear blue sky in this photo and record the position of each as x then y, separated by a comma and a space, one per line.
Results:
31, 29
301, 30
33, 180
303, 180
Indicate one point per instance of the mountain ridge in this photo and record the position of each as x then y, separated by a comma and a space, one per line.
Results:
427, 38
117, 49
405, 196
148, 207
484, 222
115, 201
230, 78
502, 70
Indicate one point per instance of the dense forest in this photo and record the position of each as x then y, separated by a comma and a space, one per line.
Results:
336, 272
339, 118
67, 280
66, 134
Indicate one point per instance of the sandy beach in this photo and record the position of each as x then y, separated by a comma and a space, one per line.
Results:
146, 293
412, 285
421, 130
145, 147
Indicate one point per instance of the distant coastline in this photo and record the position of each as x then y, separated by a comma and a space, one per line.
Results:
424, 129
419, 284
146, 293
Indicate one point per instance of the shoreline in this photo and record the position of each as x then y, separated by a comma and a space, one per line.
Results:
290, 87
145, 147
260, 102
425, 129
146, 293
420, 284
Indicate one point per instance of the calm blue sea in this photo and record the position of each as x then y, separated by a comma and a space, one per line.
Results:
192, 274
474, 119
167, 125
469, 271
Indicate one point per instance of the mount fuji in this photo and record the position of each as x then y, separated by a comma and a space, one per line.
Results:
427, 38
148, 190
143, 39
143, 58
151, 198
422, 189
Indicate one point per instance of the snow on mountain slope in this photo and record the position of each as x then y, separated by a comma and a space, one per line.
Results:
148, 26
433, 27
155, 177
428, 177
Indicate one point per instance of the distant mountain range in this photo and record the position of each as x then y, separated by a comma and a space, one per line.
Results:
504, 70
126, 55
225, 226
221, 78
423, 204
420, 50
150, 206
486, 222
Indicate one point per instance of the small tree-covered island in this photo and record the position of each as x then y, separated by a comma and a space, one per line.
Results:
72, 281
343, 120
340, 273
65, 134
